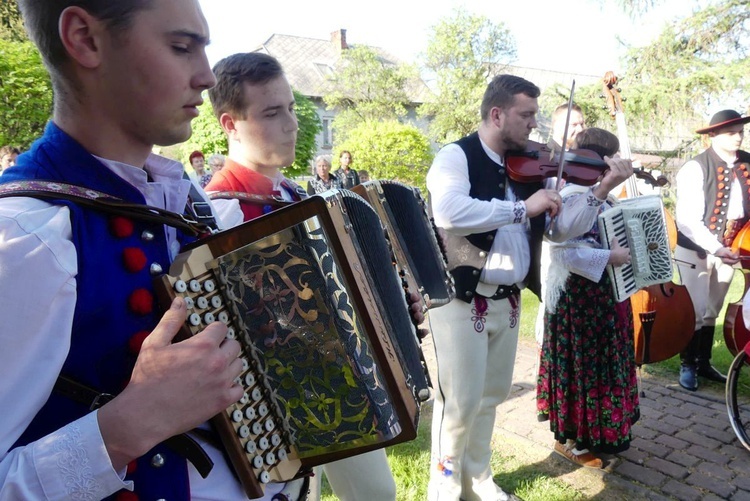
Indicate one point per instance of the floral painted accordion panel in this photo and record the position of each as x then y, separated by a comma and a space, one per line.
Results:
332, 363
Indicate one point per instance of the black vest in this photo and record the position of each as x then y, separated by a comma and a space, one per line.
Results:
467, 255
717, 190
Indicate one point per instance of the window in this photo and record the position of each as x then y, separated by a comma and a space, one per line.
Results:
327, 132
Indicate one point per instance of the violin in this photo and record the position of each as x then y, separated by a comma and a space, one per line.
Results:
582, 167
663, 314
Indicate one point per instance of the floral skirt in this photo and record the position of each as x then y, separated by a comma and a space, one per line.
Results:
587, 386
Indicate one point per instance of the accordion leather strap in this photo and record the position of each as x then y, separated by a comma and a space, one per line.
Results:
47, 190
182, 444
252, 198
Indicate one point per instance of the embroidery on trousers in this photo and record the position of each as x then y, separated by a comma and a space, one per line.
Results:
480, 312
514, 310
445, 466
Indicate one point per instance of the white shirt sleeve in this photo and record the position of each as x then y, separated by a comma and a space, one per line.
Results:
39, 259
587, 262
452, 206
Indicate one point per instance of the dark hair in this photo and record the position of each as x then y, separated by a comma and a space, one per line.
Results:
41, 18
599, 140
233, 72
196, 154
348, 153
503, 89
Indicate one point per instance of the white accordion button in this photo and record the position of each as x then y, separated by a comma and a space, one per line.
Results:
202, 303
189, 303
263, 443
244, 431
269, 425
250, 413
223, 317
209, 318
257, 430
237, 416
256, 394
276, 440
281, 453
194, 285
230, 333
270, 458
209, 285
250, 447
245, 366
264, 477
249, 377
195, 319
180, 286
258, 463
262, 409
245, 399
216, 302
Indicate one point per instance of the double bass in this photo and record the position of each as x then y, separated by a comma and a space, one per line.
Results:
663, 314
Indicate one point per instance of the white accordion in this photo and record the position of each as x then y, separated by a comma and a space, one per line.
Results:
639, 224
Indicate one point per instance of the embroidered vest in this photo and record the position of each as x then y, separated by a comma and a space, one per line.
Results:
718, 179
467, 255
115, 307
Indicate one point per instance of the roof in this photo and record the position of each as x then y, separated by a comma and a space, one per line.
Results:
308, 61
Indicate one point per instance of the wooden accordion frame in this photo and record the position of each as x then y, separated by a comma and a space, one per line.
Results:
413, 235
332, 365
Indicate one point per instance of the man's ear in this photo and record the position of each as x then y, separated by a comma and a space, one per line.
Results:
81, 35
228, 124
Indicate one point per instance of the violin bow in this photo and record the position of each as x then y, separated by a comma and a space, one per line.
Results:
561, 166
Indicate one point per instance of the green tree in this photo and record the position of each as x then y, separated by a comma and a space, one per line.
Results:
11, 24
25, 93
390, 150
695, 64
462, 52
209, 138
367, 87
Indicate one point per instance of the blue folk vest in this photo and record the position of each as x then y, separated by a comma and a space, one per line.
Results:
115, 307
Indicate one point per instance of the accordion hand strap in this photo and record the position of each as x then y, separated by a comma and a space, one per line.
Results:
47, 190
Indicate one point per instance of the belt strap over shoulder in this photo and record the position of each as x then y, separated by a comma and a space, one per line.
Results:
48, 190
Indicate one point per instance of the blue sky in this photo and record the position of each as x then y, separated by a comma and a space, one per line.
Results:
579, 36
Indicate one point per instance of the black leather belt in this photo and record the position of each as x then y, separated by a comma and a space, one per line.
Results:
505, 291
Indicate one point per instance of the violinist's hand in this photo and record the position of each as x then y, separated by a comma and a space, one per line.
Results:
618, 255
727, 256
619, 170
543, 201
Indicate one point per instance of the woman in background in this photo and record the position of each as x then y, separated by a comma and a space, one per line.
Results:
323, 179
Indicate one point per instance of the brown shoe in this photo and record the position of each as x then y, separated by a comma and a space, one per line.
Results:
589, 460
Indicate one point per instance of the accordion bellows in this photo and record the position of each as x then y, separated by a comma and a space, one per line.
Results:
333, 365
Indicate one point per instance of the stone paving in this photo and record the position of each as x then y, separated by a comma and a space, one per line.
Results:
683, 446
